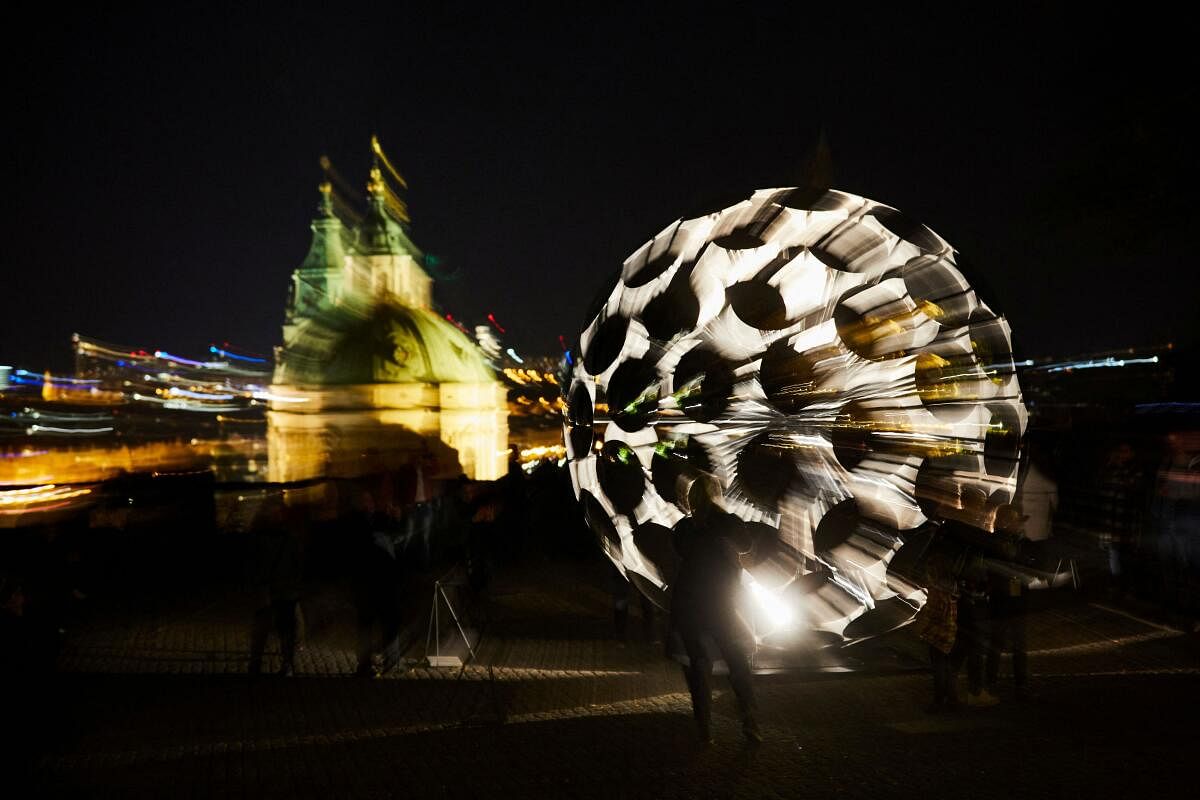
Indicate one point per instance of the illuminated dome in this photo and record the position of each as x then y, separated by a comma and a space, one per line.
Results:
386, 343
368, 379
825, 359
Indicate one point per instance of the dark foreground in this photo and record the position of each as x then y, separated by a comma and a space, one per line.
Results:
160, 705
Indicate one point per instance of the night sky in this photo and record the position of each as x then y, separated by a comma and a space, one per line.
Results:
163, 164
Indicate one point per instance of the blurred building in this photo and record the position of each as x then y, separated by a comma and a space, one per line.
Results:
369, 378
374, 259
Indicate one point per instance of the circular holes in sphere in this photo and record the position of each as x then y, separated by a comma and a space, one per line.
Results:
606, 345
703, 384
765, 472
621, 476
632, 394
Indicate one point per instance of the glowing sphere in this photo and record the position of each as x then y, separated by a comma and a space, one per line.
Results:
823, 357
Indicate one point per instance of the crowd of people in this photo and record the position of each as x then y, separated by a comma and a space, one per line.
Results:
978, 599
391, 535
1144, 509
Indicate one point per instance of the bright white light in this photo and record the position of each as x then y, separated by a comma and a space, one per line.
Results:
776, 611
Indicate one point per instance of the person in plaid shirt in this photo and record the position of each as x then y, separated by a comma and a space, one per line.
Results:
937, 626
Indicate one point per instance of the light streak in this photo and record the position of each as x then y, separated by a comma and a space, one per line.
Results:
539, 453
278, 398
60, 378
18, 501
214, 365
1095, 364
52, 429
176, 392
227, 354
184, 405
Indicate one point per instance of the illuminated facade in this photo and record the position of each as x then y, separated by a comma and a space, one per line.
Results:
369, 378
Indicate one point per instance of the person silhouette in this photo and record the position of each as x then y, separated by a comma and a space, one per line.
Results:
703, 606
1008, 593
278, 568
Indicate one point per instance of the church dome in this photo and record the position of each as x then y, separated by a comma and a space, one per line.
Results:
382, 343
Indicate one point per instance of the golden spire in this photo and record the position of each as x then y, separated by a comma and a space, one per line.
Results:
378, 151
375, 184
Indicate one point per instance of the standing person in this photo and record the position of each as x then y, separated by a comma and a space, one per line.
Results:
937, 626
1008, 605
1038, 493
484, 506
975, 627
618, 589
970, 529
1176, 517
513, 519
1121, 507
703, 608
621, 591
419, 522
278, 571
354, 532
374, 587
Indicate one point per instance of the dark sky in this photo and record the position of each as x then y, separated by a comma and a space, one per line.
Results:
162, 164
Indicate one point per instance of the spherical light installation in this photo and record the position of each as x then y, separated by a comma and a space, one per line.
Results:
823, 357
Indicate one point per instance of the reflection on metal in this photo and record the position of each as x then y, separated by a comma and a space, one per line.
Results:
825, 359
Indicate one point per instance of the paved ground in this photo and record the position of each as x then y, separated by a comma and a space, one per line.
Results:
159, 705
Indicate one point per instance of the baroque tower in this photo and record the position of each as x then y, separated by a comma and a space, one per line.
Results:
371, 263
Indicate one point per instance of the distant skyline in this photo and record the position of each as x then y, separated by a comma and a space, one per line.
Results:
163, 164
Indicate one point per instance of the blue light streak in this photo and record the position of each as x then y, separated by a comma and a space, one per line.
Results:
1097, 364
228, 354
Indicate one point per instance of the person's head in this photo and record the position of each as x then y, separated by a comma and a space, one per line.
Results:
1183, 443
362, 504
703, 496
938, 570
1121, 454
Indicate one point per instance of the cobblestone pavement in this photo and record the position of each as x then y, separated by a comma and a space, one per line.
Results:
159, 705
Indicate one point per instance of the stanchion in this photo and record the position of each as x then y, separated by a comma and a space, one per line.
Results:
438, 659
